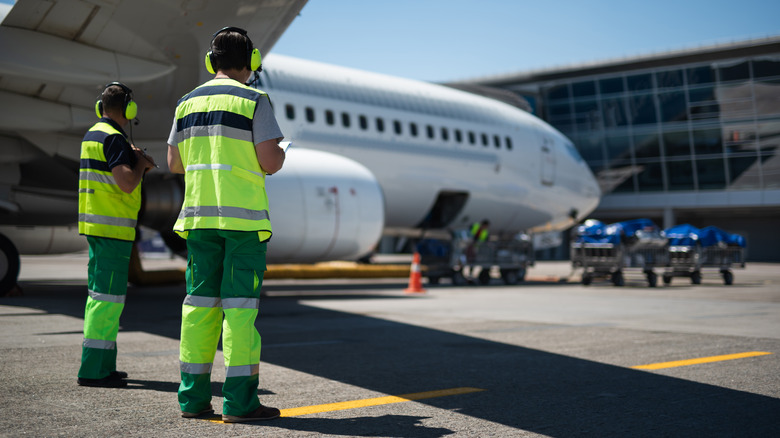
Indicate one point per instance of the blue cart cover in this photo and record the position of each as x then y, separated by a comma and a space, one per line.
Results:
682, 235
593, 231
713, 236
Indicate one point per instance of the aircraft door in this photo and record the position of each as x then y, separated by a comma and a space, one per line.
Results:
547, 165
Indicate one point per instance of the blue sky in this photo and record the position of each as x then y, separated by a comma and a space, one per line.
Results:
444, 40
441, 40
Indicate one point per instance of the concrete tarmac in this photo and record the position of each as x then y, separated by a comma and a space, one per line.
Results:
548, 357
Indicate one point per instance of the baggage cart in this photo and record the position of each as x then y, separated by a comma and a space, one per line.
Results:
466, 263
694, 252
612, 251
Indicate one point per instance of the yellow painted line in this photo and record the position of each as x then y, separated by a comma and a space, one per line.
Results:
340, 406
682, 363
329, 407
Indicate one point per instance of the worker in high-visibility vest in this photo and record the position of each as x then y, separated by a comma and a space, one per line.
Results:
225, 141
109, 199
479, 231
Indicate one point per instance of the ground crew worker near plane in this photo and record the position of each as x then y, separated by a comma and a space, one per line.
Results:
225, 140
109, 199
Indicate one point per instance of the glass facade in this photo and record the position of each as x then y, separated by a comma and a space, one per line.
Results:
711, 126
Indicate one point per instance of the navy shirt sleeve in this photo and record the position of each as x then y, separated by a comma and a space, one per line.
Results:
118, 151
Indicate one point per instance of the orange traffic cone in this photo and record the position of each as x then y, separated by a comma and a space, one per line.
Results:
415, 276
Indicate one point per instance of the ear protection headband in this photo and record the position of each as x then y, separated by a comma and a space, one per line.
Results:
253, 58
129, 109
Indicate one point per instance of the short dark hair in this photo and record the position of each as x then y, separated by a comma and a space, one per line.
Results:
230, 50
114, 98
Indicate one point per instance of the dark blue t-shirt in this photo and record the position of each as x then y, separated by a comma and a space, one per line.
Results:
117, 149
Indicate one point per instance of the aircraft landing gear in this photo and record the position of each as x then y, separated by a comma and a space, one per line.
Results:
9, 266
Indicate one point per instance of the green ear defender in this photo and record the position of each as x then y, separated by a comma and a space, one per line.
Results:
209, 67
130, 107
254, 60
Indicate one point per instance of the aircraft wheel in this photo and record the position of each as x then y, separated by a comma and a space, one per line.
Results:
9, 265
667, 279
696, 277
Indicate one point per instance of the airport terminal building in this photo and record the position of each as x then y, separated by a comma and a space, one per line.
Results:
689, 136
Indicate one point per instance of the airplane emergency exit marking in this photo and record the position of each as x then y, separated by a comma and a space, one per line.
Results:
682, 363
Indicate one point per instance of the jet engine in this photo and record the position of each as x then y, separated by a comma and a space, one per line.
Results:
323, 207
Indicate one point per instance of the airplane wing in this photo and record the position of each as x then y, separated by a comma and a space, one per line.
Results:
57, 56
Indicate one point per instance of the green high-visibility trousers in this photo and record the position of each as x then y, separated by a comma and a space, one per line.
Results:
109, 260
224, 276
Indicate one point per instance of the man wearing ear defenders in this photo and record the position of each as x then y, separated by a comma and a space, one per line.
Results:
109, 199
224, 140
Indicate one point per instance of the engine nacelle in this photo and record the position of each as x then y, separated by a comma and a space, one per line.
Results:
323, 207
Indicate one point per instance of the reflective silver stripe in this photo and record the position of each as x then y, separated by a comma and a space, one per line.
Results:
99, 344
241, 303
217, 167
214, 131
242, 370
99, 177
214, 211
195, 368
209, 167
107, 220
86, 190
196, 301
107, 297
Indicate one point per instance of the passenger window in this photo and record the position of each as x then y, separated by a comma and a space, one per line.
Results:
290, 110
380, 125
458, 136
484, 139
445, 134
329, 119
429, 128
310, 114
472, 137
397, 127
497, 141
363, 122
508, 143
346, 120
413, 129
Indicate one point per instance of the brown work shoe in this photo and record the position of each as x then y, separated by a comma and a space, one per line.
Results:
207, 411
261, 413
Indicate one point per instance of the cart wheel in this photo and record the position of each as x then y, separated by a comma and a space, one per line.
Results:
521, 274
458, 279
728, 278
696, 277
586, 279
667, 279
652, 278
510, 276
484, 276
433, 280
617, 278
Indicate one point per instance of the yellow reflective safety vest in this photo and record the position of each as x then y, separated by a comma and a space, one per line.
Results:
224, 183
104, 209
483, 234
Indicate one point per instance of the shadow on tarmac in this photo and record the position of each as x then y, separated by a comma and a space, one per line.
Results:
528, 389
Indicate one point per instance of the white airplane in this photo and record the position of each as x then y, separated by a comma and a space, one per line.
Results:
372, 154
